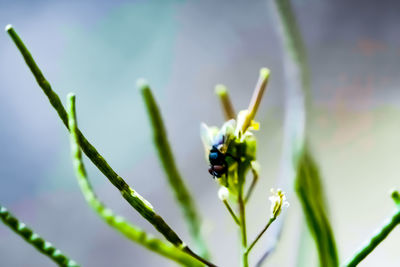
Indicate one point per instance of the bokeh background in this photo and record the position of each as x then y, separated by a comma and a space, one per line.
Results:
98, 49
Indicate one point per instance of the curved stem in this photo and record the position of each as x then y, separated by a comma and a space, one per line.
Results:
35, 240
371, 244
231, 212
140, 204
271, 220
379, 236
194, 255
119, 223
252, 185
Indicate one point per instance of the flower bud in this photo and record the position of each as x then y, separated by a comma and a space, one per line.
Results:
223, 193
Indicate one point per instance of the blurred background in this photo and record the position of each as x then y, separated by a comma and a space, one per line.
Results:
98, 49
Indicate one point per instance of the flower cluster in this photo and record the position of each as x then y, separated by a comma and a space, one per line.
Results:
231, 149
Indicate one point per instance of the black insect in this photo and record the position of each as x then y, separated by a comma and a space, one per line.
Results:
217, 146
218, 164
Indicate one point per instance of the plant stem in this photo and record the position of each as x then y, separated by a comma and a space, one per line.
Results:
252, 185
187, 250
271, 220
379, 236
119, 223
226, 103
140, 204
242, 216
166, 157
256, 97
235, 218
243, 231
371, 244
35, 240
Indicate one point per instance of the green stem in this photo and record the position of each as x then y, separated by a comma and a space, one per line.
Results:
242, 216
382, 233
166, 157
243, 231
271, 220
228, 207
194, 255
35, 240
140, 204
379, 236
119, 223
256, 97
252, 185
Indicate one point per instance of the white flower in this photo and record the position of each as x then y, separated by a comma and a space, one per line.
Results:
278, 200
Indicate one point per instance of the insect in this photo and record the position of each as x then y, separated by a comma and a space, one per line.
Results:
218, 164
217, 144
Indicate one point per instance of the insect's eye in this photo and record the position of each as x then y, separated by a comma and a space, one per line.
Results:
213, 155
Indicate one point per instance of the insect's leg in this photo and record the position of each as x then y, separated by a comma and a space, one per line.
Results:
255, 170
212, 171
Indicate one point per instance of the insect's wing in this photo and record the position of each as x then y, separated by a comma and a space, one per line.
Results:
207, 135
225, 135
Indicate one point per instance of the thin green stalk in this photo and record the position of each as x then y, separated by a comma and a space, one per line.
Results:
383, 232
140, 204
119, 223
133, 198
252, 185
271, 220
166, 157
222, 92
35, 240
243, 231
231, 212
256, 97
242, 218
378, 237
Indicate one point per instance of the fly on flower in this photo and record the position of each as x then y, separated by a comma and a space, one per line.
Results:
216, 143
231, 149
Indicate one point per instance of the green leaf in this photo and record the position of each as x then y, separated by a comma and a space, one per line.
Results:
309, 189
